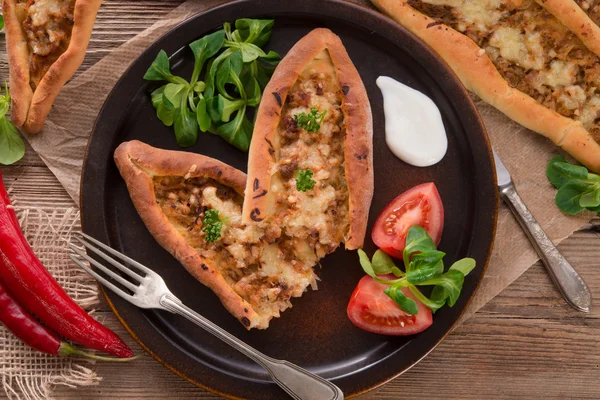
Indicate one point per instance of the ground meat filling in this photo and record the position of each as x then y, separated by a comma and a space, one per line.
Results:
47, 25
532, 50
254, 261
318, 215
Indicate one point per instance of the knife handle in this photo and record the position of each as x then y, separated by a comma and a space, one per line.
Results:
566, 279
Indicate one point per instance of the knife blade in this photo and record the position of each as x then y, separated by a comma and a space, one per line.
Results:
567, 280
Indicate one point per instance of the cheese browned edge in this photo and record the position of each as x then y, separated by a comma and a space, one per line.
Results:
358, 152
138, 163
30, 109
477, 72
573, 17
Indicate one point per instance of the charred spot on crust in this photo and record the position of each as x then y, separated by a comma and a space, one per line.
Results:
271, 148
360, 156
432, 24
345, 89
204, 267
245, 321
245, 310
278, 98
271, 151
261, 194
254, 215
256, 184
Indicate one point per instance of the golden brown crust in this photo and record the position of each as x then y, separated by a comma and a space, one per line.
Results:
31, 108
573, 17
138, 163
359, 131
18, 54
478, 74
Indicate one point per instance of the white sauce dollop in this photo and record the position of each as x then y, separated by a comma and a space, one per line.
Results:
414, 130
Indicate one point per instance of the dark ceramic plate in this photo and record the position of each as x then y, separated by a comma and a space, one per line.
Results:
315, 333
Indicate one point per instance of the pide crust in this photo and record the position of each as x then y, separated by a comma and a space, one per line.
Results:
358, 154
29, 109
478, 73
138, 163
573, 17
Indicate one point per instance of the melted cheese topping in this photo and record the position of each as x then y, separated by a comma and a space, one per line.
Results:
264, 270
319, 215
531, 49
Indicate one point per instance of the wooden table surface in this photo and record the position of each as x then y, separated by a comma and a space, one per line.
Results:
525, 344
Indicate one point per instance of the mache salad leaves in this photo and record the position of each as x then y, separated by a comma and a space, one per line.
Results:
231, 70
423, 266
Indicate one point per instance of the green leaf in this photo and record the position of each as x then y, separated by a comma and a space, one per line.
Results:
202, 117
425, 273
452, 281
213, 67
4, 101
433, 305
568, 197
165, 111
382, 263
555, 177
220, 109
590, 199
465, 266
256, 31
205, 48
186, 125
238, 131
365, 263
1, 21
439, 294
161, 71
253, 93
417, 240
12, 147
570, 171
406, 303
272, 58
304, 181
199, 87
431, 257
228, 72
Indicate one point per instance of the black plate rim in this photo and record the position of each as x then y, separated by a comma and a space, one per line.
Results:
468, 104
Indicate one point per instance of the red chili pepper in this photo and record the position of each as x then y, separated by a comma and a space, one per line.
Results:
32, 333
34, 288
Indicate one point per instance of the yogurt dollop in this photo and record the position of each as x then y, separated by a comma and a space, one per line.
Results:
414, 130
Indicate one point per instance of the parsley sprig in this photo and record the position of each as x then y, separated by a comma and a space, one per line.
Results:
578, 189
423, 266
12, 148
304, 181
310, 122
212, 225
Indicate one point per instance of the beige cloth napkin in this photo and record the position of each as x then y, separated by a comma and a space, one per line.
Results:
62, 144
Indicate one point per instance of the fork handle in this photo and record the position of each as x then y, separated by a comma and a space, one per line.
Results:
566, 279
299, 383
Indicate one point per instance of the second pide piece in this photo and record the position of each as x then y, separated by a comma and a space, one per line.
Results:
310, 168
192, 205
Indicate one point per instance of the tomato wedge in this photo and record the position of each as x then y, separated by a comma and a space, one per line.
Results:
420, 205
372, 310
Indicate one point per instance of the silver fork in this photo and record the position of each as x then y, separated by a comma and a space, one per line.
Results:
150, 291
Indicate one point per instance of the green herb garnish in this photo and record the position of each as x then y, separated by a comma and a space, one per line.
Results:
423, 266
211, 225
304, 181
1, 21
12, 148
578, 189
235, 71
310, 122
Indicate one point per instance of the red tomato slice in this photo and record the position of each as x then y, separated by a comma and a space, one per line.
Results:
372, 310
420, 205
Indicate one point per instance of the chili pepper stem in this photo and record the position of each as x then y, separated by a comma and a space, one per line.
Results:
66, 350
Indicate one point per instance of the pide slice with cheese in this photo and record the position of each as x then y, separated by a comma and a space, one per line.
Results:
192, 205
310, 169
46, 42
519, 58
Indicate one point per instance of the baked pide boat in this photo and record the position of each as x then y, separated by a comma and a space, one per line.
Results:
46, 42
516, 56
310, 168
192, 205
